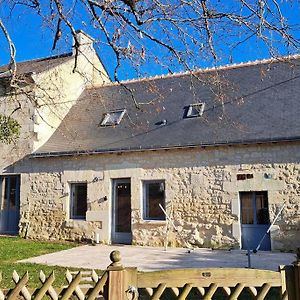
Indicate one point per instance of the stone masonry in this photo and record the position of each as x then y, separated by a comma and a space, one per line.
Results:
202, 194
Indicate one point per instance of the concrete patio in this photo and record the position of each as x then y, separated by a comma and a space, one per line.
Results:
150, 258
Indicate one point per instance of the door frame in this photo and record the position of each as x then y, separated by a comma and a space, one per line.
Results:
247, 228
10, 219
119, 237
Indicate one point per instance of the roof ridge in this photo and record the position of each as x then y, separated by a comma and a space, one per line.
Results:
42, 58
202, 70
48, 57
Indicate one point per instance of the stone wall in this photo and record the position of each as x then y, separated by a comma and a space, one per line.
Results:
58, 89
201, 188
10, 153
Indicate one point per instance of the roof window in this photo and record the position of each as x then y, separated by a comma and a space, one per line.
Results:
194, 110
113, 118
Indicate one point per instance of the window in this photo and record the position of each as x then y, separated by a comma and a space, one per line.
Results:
244, 176
113, 118
154, 194
194, 110
78, 200
254, 208
9, 194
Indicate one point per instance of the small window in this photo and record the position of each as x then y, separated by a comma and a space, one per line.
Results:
154, 194
78, 201
113, 118
244, 176
194, 110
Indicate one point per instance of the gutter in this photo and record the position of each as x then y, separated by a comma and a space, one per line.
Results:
141, 149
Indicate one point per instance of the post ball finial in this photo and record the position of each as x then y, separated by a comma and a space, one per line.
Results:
115, 257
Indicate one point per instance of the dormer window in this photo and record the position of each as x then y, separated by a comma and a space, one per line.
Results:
113, 118
194, 110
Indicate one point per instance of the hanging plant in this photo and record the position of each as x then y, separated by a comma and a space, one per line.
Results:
9, 129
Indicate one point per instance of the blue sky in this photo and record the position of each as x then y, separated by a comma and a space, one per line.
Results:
33, 39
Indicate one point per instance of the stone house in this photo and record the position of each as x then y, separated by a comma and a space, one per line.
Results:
47, 89
217, 149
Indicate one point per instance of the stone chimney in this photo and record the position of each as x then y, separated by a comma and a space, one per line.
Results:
85, 43
89, 64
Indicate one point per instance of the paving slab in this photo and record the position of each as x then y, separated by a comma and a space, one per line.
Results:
151, 258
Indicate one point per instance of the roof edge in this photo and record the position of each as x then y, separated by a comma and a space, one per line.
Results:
141, 149
204, 70
68, 54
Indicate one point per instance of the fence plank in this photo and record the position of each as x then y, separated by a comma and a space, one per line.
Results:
71, 288
77, 290
264, 291
158, 292
212, 289
186, 290
98, 287
237, 291
52, 293
14, 293
149, 291
252, 290
227, 290
201, 290
24, 290
228, 277
46, 285
175, 291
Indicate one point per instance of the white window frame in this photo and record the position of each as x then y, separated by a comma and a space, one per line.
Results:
145, 206
105, 121
199, 107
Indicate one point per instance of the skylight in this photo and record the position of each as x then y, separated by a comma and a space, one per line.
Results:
194, 110
113, 118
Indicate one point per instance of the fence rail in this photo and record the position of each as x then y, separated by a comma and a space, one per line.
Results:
120, 283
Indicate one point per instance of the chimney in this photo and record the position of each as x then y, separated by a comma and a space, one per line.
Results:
85, 43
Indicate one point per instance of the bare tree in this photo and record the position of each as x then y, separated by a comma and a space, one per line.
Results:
182, 33
175, 35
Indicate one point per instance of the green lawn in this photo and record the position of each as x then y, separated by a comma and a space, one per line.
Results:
13, 249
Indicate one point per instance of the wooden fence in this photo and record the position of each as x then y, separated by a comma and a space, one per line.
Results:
119, 283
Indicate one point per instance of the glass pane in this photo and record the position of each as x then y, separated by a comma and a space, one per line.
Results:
155, 195
247, 208
9, 192
262, 211
5, 194
112, 118
123, 207
79, 201
12, 192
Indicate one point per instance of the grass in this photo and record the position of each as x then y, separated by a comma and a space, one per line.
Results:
13, 249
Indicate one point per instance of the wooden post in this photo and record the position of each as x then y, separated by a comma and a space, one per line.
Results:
115, 289
297, 274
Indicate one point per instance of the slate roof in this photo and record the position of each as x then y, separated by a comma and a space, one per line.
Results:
36, 65
250, 103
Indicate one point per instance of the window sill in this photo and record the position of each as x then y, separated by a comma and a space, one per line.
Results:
156, 222
71, 223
